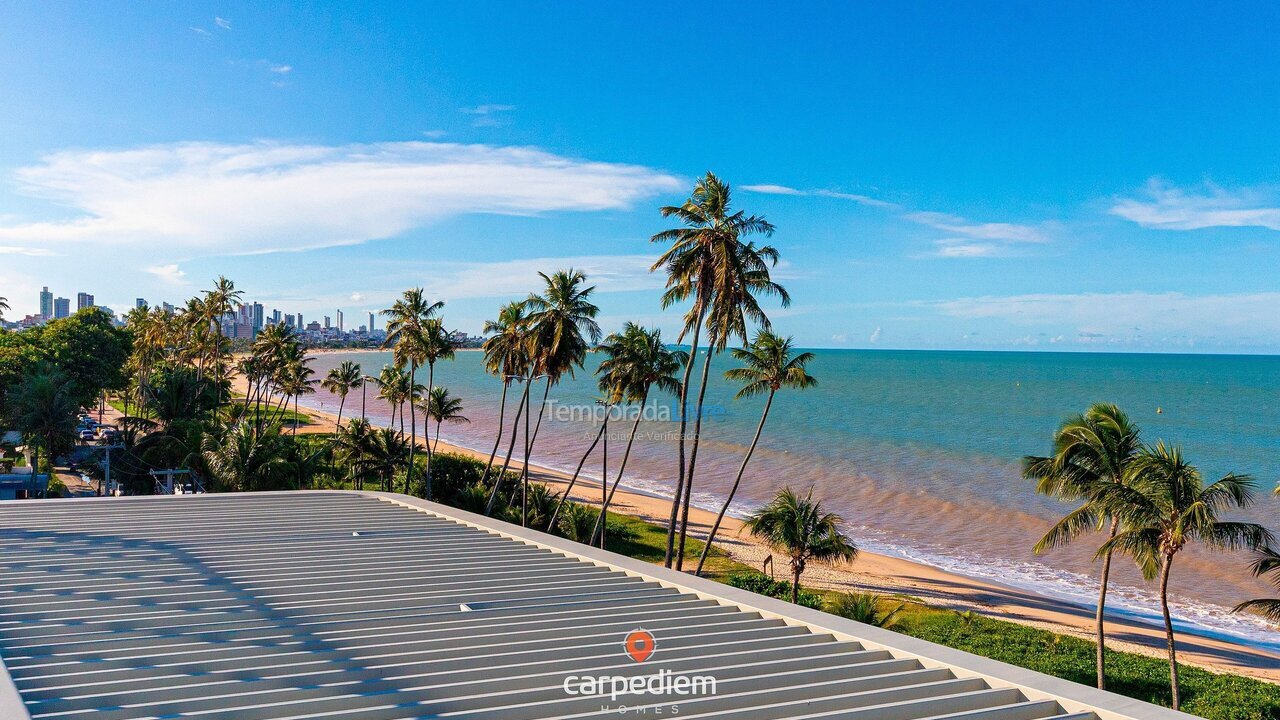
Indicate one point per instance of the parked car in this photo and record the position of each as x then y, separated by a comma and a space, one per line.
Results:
87, 435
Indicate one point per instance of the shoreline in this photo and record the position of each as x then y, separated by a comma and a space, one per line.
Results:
888, 575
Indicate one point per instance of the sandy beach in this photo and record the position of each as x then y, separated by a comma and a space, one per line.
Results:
883, 574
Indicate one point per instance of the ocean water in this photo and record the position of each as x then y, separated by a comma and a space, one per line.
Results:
920, 453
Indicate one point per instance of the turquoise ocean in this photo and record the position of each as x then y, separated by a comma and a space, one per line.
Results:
920, 452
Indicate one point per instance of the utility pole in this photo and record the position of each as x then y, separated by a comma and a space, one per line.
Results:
168, 479
107, 467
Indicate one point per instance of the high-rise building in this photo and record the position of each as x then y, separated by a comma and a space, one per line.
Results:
46, 302
83, 300
257, 318
289, 320
275, 317
140, 303
166, 308
371, 325
339, 319
61, 307
301, 324
326, 322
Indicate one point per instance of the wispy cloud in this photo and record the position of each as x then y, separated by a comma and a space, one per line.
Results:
964, 238
1129, 318
434, 134
487, 115
1169, 208
170, 274
281, 69
200, 31
223, 23
264, 197
26, 251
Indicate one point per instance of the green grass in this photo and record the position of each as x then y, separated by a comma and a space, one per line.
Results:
287, 417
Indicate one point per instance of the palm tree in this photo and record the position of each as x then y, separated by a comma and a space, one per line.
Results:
1266, 562
4, 307
443, 408
352, 448
636, 362
1091, 452
217, 302
769, 364
710, 264
800, 528
43, 407
505, 355
436, 346
387, 451
406, 333
298, 381
1165, 506
562, 327
342, 380
243, 459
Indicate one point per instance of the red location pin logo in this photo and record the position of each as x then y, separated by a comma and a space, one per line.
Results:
640, 644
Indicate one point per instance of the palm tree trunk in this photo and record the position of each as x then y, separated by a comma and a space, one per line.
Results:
796, 569
511, 447
564, 497
1100, 618
538, 425
431, 379
706, 548
413, 429
1168, 628
364, 394
693, 460
295, 414
342, 401
524, 476
684, 414
502, 411
603, 520
622, 468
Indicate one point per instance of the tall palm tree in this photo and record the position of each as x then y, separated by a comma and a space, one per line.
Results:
769, 364
711, 265
298, 380
1091, 452
562, 327
352, 449
4, 307
387, 452
636, 362
443, 408
43, 408
800, 528
436, 346
341, 381
505, 355
393, 387
1166, 506
222, 299
406, 333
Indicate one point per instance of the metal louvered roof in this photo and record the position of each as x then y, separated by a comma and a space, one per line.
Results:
375, 606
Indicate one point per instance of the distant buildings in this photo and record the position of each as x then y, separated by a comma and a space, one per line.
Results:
83, 300
61, 308
340, 328
140, 303
46, 302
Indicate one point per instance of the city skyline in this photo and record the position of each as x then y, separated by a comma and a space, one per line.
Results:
964, 177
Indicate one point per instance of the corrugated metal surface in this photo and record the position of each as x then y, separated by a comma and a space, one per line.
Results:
318, 605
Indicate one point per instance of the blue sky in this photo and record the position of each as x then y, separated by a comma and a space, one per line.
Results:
986, 176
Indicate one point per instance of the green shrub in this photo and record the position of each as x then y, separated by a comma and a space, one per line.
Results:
762, 584
865, 608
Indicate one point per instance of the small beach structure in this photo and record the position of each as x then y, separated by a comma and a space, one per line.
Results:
267, 606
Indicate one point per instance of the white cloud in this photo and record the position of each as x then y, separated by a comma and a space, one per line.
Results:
608, 273
875, 336
357, 297
1008, 232
840, 338
961, 248
200, 31
767, 189
282, 69
171, 273
1128, 316
26, 251
1170, 208
264, 197
488, 109
223, 23
434, 134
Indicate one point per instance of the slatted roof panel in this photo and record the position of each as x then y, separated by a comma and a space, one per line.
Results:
282, 606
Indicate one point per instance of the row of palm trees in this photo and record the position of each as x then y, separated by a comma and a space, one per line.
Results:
1149, 502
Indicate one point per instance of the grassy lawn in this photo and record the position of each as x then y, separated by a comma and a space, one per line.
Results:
287, 417
1217, 697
